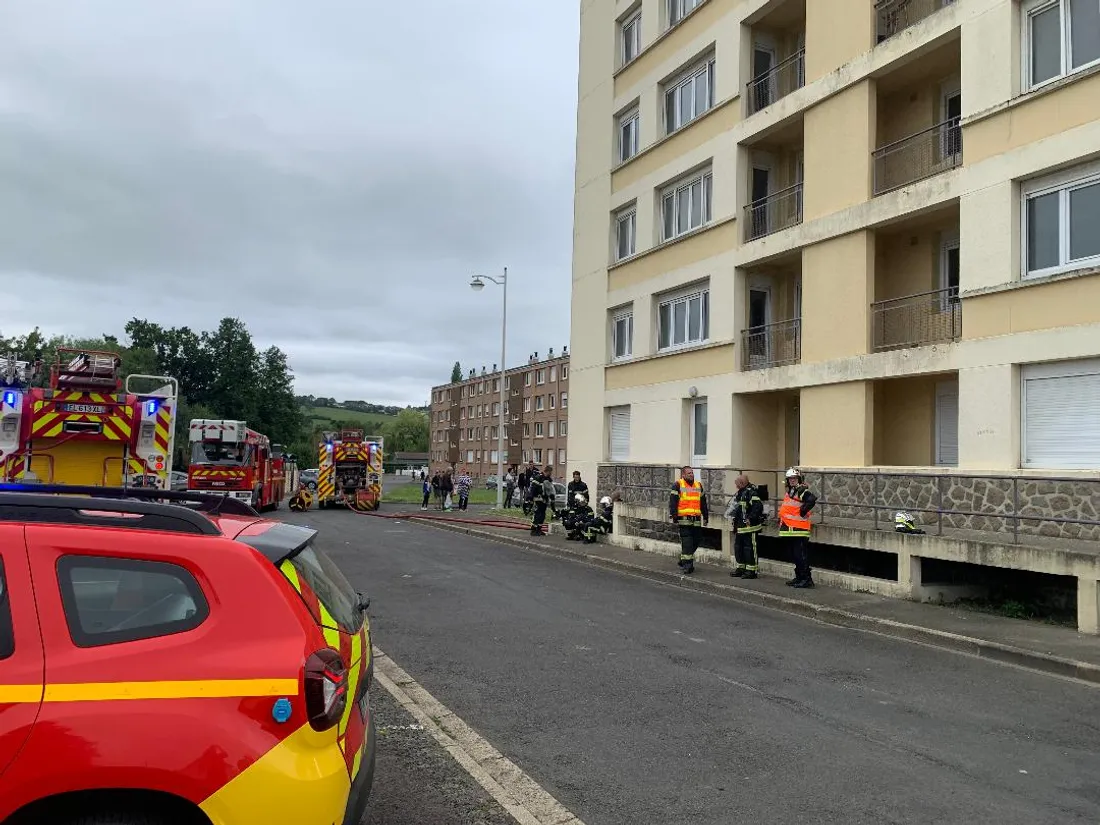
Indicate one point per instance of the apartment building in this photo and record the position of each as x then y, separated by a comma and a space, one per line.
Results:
465, 416
838, 233
859, 237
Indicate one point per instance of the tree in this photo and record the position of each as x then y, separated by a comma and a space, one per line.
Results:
279, 411
456, 373
407, 433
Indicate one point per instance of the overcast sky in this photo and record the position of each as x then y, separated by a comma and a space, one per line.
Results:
332, 172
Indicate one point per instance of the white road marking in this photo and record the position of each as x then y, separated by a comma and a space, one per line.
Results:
523, 798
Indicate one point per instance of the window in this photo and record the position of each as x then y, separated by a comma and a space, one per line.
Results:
7, 630
496, 385
1060, 420
564, 373
947, 424
540, 377
622, 335
690, 97
553, 374
540, 403
619, 434
630, 33
686, 206
538, 430
1060, 37
469, 456
628, 135
550, 427
526, 456
549, 458
526, 430
493, 456
562, 427
564, 400
496, 408
679, 9
111, 600
527, 405
553, 398
561, 457
626, 224
698, 433
496, 432
538, 456
527, 379
683, 320
1060, 226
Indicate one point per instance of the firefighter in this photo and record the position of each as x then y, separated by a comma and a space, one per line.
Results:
795, 526
576, 518
577, 486
540, 492
746, 514
601, 523
687, 507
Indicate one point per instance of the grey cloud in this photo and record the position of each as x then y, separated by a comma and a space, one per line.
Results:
298, 165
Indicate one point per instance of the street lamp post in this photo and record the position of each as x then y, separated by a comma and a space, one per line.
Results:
477, 283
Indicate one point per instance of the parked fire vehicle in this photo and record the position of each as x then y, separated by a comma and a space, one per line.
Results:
286, 465
228, 457
88, 427
350, 470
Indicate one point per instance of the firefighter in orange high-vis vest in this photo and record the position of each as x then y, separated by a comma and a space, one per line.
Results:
687, 507
794, 526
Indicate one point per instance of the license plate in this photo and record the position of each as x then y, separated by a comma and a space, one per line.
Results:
83, 408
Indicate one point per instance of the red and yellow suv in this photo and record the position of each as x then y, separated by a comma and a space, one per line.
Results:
164, 664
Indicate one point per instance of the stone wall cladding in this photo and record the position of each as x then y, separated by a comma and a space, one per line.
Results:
666, 531
984, 504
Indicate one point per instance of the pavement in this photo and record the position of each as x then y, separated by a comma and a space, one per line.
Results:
416, 781
631, 700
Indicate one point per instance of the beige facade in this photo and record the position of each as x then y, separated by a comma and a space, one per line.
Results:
837, 234
464, 418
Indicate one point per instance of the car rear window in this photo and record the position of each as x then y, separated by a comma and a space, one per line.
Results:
333, 589
7, 632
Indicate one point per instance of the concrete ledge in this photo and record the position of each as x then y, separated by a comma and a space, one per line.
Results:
982, 648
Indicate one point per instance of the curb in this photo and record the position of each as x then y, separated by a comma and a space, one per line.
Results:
981, 648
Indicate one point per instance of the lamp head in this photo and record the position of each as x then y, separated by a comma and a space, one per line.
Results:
476, 284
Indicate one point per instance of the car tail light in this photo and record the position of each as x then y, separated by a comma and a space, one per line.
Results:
326, 688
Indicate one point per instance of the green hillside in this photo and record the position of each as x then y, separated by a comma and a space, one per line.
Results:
327, 418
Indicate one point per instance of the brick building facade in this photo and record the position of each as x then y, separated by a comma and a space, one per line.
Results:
465, 416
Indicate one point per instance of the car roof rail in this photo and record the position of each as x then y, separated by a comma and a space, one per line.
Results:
141, 508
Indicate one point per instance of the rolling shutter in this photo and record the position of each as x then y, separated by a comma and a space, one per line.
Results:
1061, 416
620, 436
947, 424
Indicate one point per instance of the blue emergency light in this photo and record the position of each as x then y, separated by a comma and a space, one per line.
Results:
9, 398
151, 407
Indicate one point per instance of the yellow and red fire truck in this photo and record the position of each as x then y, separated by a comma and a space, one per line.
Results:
228, 457
349, 470
86, 428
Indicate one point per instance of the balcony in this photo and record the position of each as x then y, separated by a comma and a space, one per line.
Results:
918, 157
771, 345
774, 213
894, 16
916, 320
777, 83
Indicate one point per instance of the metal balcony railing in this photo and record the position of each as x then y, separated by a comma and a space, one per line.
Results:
916, 320
918, 156
774, 213
786, 77
772, 345
895, 16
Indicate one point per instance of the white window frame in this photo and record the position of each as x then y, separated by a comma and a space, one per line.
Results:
565, 372
565, 400
625, 221
1063, 184
553, 374
627, 319
610, 414
701, 291
469, 456
677, 10
563, 426
526, 430
945, 389
703, 72
540, 377
697, 460
630, 37
527, 379
551, 429
540, 403
527, 404
627, 129
561, 457
538, 455
673, 196
552, 400
1029, 10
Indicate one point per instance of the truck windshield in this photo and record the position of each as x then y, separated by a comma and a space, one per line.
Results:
216, 452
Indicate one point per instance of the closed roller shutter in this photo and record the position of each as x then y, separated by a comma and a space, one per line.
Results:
620, 435
947, 424
1061, 415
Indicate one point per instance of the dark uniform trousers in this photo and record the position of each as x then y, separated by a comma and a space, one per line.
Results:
540, 515
745, 551
690, 528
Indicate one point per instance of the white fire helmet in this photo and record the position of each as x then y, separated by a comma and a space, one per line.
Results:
606, 501
794, 473
579, 498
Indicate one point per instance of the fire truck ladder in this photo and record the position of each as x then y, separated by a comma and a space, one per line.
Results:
90, 370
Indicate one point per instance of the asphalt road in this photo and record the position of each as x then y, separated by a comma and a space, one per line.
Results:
633, 701
416, 782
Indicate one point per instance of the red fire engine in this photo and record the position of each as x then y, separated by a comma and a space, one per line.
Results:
86, 428
226, 456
